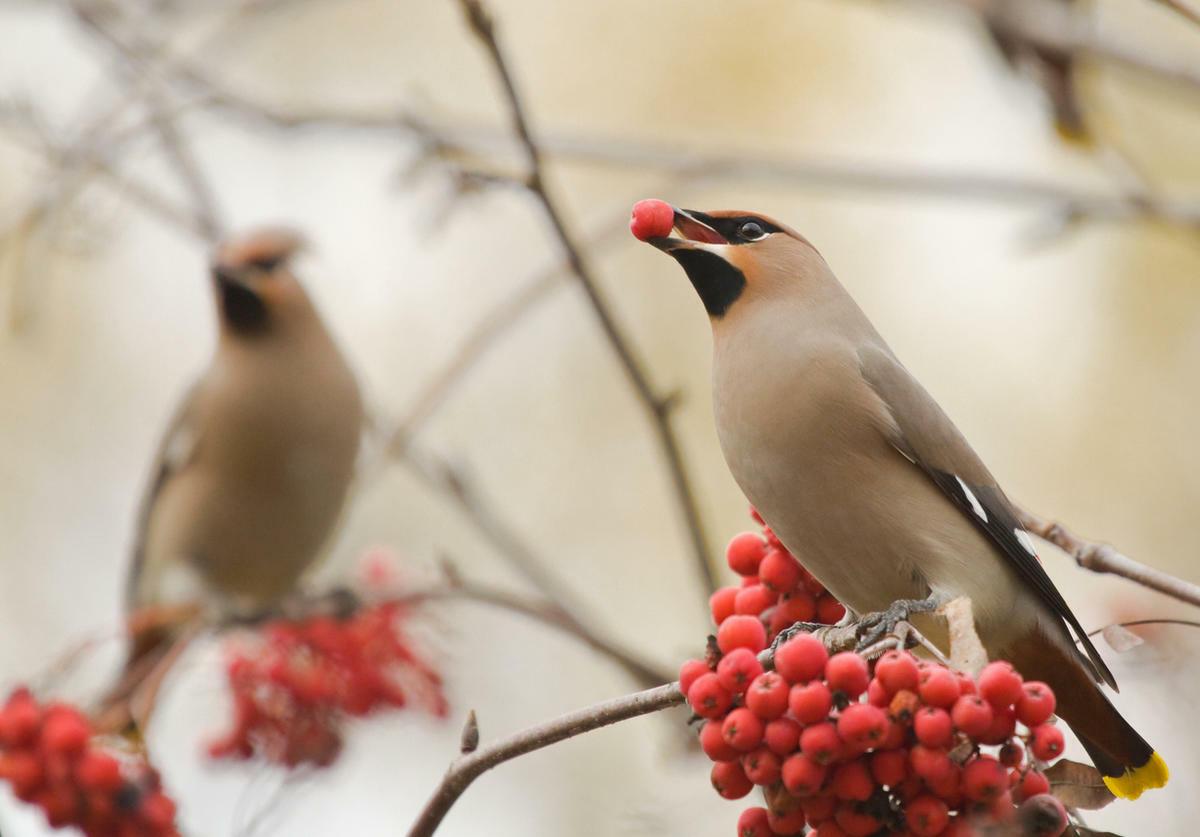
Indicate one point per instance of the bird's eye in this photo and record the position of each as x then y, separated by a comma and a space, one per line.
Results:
752, 231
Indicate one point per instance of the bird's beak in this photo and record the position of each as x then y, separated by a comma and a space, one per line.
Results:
693, 228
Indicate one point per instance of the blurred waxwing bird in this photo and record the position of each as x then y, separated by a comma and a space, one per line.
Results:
857, 469
253, 471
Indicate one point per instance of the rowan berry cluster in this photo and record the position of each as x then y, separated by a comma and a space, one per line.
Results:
775, 587
49, 759
850, 748
296, 683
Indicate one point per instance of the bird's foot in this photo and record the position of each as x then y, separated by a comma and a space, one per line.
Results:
873, 627
796, 629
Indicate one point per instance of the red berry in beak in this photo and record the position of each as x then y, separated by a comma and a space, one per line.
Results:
651, 219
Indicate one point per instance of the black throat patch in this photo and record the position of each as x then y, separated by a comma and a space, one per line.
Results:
718, 283
242, 309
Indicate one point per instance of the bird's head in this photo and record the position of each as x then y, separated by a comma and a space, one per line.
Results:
254, 283
729, 256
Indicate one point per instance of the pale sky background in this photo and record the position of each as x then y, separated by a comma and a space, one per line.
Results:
1071, 365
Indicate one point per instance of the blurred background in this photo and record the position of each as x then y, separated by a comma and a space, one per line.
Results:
1046, 291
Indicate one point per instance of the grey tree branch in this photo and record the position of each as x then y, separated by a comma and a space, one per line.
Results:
1103, 558
656, 406
468, 767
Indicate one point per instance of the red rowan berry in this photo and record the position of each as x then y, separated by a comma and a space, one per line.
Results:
745, 552
847, 673
1012, 754
972, 715
802, 776
59, 804
157, 810
966, 685
852, 781
897, 736
761, 766
782, 736
20, 720
742, 729
856, 822
948, 787
933, 727
1032, 783
877, 693
1036, 705
737, 670
65, 731
713, 743
741, 632
787, 824
820, 742
721, 604
767, 696
1042, 816
830, 828
1004, 723
862, 725
729, 780
708, 698
897, 670
753, 823
999, 684
810, 702
753, 600
98, 771
801, 659
792, 608
984, 779
23, 770
689, 671
1046, 742
818, 809
651, 219
938, 687
930, 763
889, 767
779, 571
926, 816
830, 610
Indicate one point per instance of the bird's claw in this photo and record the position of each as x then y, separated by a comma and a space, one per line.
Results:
794, 630
873, 627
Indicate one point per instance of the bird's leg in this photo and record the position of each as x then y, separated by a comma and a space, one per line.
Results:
874, 626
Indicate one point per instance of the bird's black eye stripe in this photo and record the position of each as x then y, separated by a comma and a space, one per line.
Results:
266, 263
732, 228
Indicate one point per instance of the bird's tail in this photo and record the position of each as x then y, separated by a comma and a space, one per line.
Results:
1128, 763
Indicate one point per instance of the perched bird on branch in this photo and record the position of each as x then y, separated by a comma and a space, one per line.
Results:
860, 473
255, 467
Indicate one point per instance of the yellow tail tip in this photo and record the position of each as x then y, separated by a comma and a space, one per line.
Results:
1152, 774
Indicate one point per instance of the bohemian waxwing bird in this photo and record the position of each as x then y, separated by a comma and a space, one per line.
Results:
857, 469
253, 472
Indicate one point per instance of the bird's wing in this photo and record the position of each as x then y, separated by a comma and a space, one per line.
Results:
927, 438
175, 451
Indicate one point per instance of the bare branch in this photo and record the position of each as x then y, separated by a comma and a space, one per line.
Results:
655, 406
966, 651
1058, 27
467, 768
1102, 558
548, 613
142, 59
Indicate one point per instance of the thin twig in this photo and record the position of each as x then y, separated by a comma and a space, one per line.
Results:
657, 407
1187, 623
143, 60
467, 768
548, 614
1058, 27
1183, 8
1102, 558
